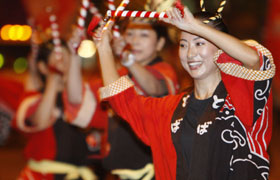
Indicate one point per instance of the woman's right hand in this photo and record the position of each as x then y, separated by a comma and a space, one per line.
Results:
103, 36
185, 22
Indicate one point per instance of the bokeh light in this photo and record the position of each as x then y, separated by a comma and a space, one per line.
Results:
16, 32
2, 60
20, 65
5, 32
87, 49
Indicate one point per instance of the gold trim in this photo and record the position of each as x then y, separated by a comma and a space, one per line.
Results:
244, 73
116, 87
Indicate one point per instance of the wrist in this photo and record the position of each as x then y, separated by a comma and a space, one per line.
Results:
129, 62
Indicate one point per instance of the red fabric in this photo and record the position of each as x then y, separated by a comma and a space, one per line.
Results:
64, 10
10, 92
48, 148
272, 37
99, 119
151, 118
237, 88
152, 126
92, 25
161, 71
28, 174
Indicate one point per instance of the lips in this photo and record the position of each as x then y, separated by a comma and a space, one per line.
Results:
194, 65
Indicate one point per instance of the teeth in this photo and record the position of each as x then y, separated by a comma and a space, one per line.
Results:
195, 63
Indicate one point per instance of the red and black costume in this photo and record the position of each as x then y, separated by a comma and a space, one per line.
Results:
124, 150
61, 142
230, 136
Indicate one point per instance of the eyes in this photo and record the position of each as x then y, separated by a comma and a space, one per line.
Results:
197, 44
142, 34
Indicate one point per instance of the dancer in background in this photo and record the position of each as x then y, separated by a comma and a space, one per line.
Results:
223, 128
139, 46
56, 149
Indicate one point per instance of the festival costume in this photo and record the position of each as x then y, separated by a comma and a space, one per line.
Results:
57, 152
231, 136
124, 149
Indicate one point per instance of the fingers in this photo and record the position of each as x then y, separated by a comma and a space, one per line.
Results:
97, 33
174, 15
110, 25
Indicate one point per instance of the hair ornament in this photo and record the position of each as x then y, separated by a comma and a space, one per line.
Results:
218, 13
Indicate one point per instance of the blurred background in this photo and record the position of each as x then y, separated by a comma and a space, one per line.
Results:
250, 19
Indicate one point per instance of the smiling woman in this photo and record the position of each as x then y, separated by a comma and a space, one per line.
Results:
215, 134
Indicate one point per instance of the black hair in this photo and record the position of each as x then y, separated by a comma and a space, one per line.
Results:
217, 23
44, 52
159, 27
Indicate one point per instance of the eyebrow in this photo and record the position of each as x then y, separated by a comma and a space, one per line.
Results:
183, 40
196, 38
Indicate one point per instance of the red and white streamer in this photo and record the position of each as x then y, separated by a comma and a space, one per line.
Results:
121, 7
116, 29
83, 14
111, 5
34, 45
140, 14
94, 11
55, 36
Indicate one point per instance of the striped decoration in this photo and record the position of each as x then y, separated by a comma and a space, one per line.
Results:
218, 13
142, 14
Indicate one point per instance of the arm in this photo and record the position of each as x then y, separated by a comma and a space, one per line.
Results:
44, 111
74, 79
107, 64
147, 81
145, 78
43, 115
229, 44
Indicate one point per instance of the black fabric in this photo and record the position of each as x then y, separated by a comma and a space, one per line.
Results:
126, 150
70, 142
194, 112
185, 138
220, 150
5, 125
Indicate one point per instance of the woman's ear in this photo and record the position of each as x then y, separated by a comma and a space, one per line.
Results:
42, 67
160, 43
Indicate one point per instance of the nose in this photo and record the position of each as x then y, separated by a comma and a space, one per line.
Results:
192, 52
134, 40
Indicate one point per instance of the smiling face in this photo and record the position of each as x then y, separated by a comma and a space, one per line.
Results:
144, 42
196, 56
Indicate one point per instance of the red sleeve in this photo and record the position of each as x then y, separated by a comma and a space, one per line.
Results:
27, 106
89, 113
10, 92
100, 117
144, 114
244, 85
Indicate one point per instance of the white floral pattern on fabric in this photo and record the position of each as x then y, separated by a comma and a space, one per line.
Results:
116, 87
249, 74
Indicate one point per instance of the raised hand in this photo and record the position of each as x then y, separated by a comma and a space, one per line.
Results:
74, 42
103, 36
184, 23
